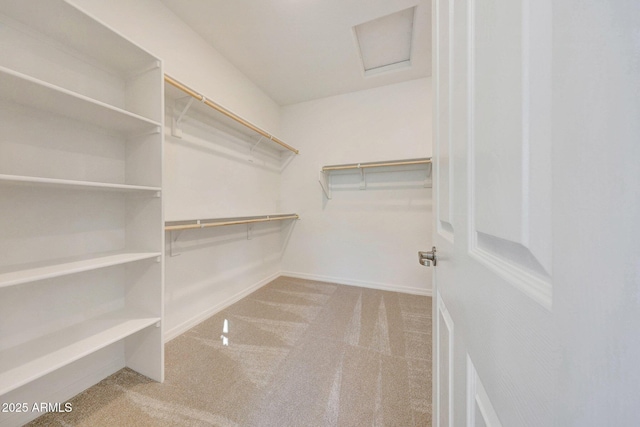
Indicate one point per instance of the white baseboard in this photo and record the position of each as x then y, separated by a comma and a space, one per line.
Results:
199, 318
195, 320
360, 283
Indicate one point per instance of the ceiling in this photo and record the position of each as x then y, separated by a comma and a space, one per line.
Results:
298, 50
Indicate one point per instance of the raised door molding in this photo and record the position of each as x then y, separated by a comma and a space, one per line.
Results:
444, 366
443, 149
510, 225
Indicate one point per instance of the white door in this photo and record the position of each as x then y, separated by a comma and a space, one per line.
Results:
537, 213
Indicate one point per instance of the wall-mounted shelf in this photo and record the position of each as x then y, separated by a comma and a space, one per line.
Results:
220, 222
177, 90
389, 163
179, 226
326, 171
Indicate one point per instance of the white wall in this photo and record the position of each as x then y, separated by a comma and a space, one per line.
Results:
209, 175
187, 57
361, 237
205, 177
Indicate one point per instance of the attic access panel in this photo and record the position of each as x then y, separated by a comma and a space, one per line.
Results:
385, 43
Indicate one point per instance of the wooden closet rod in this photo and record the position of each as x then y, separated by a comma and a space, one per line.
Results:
226, 112
223, 223
377, 164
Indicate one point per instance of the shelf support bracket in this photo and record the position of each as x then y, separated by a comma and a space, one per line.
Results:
363, 178
428, 179
253, 147
325, 183
173, 238
249, 231
256, 144
176, 129
286, 162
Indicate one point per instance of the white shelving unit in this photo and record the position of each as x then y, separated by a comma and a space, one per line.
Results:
81, 225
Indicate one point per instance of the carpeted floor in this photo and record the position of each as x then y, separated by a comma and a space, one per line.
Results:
297, 353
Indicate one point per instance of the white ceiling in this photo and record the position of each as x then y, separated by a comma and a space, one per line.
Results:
298, 50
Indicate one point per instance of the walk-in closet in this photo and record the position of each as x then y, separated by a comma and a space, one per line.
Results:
300, 213
177, 236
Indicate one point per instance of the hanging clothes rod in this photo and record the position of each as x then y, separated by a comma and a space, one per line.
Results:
250, 220
408, 162
226, 112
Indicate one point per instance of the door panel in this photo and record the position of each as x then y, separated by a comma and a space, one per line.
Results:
536, 154
497, 102
493, 278
444, 381
442, 124
480, 412
509, 145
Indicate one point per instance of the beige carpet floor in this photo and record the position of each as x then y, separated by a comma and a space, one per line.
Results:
294, 353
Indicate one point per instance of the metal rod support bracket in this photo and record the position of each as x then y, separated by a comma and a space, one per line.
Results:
363, 179
256, 144
176, 128
287, 161
428, 180
325, 182
173, 238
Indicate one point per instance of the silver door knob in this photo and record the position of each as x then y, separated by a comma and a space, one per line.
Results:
425, 257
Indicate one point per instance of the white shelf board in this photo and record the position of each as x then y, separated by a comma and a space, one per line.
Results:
71, 184
214, 222
25, 90
27, 362
240, 216
39, 271
416, 163
69, 26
